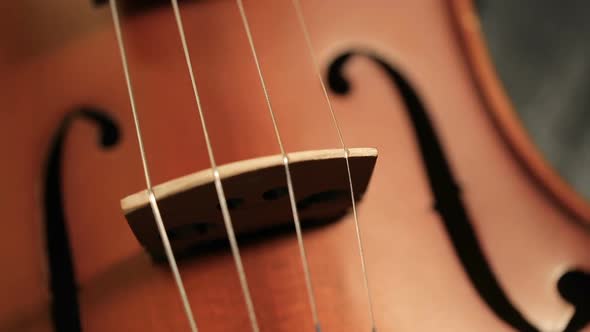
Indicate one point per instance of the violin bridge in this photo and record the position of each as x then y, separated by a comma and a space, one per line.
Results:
257, 198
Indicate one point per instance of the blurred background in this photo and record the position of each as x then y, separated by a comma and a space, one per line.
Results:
542, 55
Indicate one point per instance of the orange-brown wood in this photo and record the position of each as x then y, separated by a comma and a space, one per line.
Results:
528, 233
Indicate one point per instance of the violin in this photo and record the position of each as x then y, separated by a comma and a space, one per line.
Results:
292, 165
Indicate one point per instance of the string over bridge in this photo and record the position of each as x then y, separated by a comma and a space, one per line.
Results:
256, 194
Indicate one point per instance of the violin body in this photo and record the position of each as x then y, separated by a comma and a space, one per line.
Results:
462, 231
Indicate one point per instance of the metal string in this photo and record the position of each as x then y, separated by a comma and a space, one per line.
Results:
303, 255
151, 197
297, 5
217, 179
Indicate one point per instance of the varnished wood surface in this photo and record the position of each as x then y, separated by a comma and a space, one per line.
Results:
416, 279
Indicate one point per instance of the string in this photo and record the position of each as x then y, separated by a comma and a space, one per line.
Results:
302, 252
151, 197
299, 11
217, 179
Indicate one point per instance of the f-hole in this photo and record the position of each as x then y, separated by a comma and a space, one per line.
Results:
445, 191
65, 311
